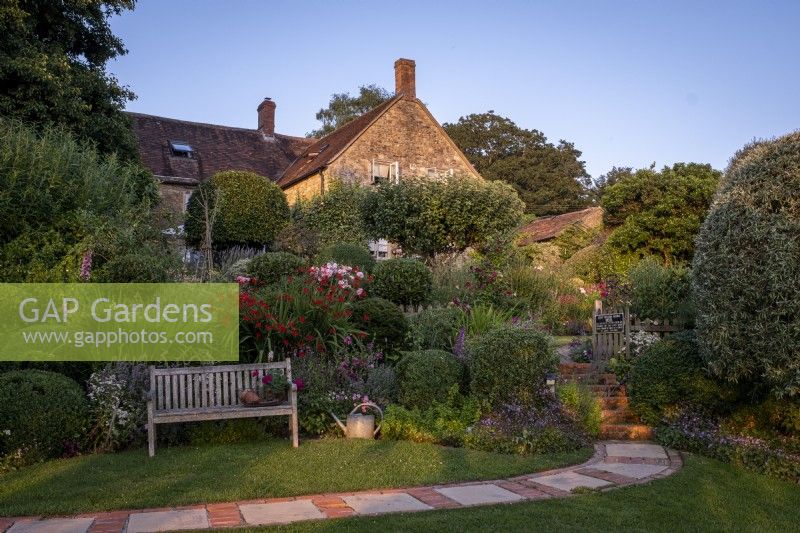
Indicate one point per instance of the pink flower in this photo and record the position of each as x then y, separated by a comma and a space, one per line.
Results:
300, 383
266, 380
242, 280
254, 373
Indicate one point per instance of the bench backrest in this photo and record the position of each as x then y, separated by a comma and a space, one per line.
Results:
204, 387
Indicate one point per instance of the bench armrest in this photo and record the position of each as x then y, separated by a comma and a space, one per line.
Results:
293, 387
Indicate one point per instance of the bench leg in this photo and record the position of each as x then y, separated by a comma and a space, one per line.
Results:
293, 418
151, 430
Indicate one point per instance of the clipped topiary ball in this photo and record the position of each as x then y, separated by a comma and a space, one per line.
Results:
426, 376
252, 210
270, 267
383, 321
343, 253
746, 270
509, 364
403, 281
42, 414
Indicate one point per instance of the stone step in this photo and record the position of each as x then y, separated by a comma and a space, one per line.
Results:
626, 432
614, 402
607, 391
618, 416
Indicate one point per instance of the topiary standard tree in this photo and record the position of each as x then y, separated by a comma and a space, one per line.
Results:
746, 270
246, 209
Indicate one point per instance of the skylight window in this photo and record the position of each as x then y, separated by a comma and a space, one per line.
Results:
181, 149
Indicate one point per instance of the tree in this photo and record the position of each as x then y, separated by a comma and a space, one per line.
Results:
52, 63
431, 217
252, 213
608, 179
343, 108
659, 213
549, 178
746, 271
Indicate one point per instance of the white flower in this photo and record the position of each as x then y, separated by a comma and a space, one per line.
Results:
583, 291
6, 432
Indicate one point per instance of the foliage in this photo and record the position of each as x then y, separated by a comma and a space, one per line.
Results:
382, 321
346, 253
440, 422
60, 201
622, 362
381, 385
270, 267
701, 434
537, 427
580, 350
43, 415
426, 376
508, 364
668, 373
480, 319
299, 236
574, 238
659, 213
251, 210
436, 328
402, 281
52, 63
116, 405
549, 178
300, 314
427, 217
343, 108
336, 216
660, 292
582, 406
746, 272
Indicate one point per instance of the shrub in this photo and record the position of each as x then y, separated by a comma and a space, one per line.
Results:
403, 281
426, 376
436, 328
382, 321
270, 267
381, 385
746, 272
426, 217
445, 423
250, 210
660, 292
509, 364
582, 406
541, 426
43, 414
347, 254
336, 216
116, 405
669, 372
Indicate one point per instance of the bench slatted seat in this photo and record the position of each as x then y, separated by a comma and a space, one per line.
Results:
192, 394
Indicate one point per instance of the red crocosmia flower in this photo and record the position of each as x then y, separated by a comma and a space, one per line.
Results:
365, 318
254, 373
302, 319
266, 380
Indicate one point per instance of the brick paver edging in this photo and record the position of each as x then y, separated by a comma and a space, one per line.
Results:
614, 464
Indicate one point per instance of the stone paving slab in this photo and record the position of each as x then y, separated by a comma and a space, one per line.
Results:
259, 514
635, 471
479, 494
384, 503
55, 525
168, 521
636, 449
567, 481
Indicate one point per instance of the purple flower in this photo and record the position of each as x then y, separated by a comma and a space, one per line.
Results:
86, 266
459, 348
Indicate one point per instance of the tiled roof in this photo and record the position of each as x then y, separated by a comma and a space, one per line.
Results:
326, 149
543, 229
215, 148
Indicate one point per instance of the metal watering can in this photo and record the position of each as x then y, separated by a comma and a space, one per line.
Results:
360, 425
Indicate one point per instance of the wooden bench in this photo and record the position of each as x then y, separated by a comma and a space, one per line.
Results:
192, 394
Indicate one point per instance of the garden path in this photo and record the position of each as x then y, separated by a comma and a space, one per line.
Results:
614, 464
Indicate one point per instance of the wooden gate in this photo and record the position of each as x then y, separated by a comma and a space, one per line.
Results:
611, 329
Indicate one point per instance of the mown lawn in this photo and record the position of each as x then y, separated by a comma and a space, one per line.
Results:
188, 475
705, 495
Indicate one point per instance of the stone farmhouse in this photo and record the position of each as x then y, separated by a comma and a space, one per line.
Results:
398, 138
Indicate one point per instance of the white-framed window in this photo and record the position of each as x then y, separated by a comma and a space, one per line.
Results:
385, 171
379, 249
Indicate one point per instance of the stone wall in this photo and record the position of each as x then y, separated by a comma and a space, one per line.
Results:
407, 134
305, 189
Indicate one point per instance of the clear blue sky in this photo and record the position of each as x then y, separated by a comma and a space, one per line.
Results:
629, 82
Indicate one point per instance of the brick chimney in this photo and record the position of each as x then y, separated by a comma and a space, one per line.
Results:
266, 117
405, 78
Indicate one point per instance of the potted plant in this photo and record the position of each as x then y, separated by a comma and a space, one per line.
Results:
274, 387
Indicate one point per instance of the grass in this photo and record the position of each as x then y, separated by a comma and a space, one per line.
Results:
264, 469
562, 340
705, 495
